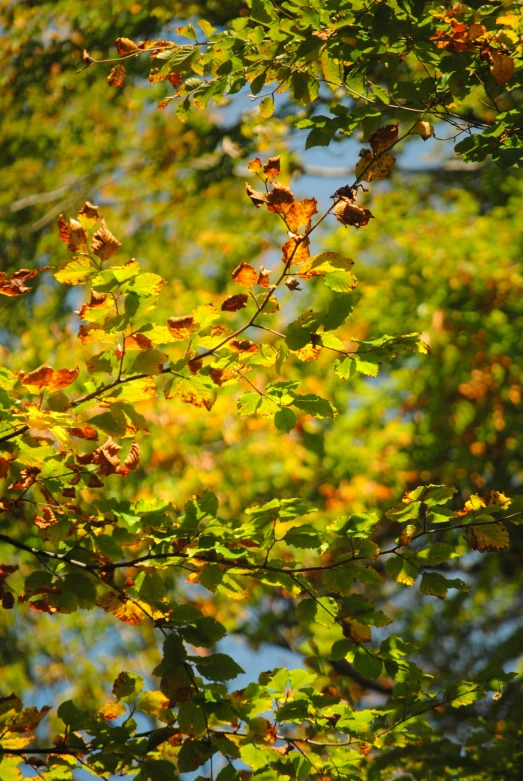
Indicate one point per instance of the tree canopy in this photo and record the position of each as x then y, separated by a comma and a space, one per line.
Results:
260, 416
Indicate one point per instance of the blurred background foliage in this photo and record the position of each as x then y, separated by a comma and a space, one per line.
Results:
441, 256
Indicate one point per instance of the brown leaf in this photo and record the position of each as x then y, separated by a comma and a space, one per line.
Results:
88, 215
383, 138
407, 533
62, 378
279, 199
86, 432
369, 167
40, 377
182, 327
86, 57
116, 77
255, 165
125, 46
94, 482
233, 303
359, 633
271, 169
104, 244
349, 213
256, 196
245, 275
72, 234
263, 277
243, 346
502, 67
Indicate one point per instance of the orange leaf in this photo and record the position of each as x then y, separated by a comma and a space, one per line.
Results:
298, 251
40, 377
300, 213
104, 244
233, 303
112, 710
131, 462
116, 77
62, 378
255, 165
245, 275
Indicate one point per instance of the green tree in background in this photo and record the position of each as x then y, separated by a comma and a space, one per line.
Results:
213, 402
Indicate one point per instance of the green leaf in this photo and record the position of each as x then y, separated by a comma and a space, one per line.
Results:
76, 271
217, 667
345, 368
340, 281
401, 570
285, 419
322, 610
315, 406
82, 588
434, 584
193, 754
205, 632
127, 685
367, 664
267, 106
72, 716
149, 362
305, 536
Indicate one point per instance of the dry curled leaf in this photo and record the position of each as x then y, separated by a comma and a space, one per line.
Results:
233, 303
292, 283
85, 432
271, 169
72, 234
125, 46
263, 277
15, 285
131, 462
423, 129
349, 213
104, 244
245, 275
116, 77
256, 196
